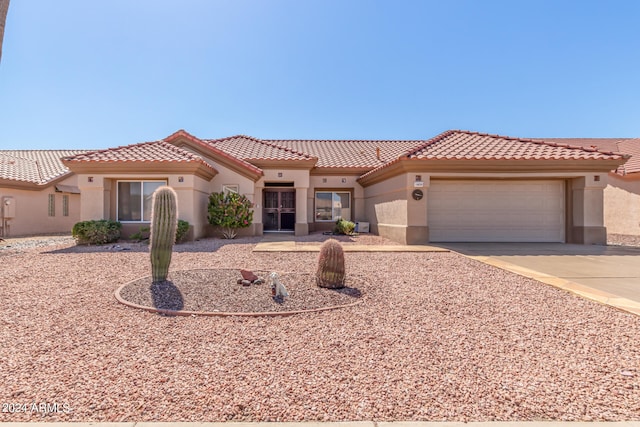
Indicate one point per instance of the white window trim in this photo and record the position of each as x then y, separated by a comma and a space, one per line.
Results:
315, 196
142, 221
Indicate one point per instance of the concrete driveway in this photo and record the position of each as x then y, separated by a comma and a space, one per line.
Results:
608, 274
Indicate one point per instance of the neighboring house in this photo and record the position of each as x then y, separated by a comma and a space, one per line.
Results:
457, 186
622, 194
38, 194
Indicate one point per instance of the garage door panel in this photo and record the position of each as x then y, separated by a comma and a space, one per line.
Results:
501, 211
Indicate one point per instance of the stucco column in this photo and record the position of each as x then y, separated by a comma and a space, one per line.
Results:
258, 227
417, 229
92, 198
302, 226
587, 195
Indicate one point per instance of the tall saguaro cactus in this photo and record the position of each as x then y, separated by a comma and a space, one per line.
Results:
164, 223
330, 273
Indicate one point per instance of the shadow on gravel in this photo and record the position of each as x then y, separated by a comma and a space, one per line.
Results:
166, 296
352, 292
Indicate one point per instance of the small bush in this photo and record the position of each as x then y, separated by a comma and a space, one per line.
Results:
142, 234
181, 233
344, 227
230, 212
96, 232
183, 229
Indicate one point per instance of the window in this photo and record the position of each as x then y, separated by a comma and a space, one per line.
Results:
332, 205
134, 200
226, 189
65, 205
52, 205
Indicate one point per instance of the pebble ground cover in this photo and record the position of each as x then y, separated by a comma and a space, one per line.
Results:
437, 337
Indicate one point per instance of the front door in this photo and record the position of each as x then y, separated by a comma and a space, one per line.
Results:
279, 210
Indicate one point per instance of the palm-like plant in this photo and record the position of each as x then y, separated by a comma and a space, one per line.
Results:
4, 8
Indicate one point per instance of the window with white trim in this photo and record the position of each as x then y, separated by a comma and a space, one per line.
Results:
332, 205
134, 200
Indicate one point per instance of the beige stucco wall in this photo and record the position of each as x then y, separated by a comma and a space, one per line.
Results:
386, 206
335, 183
32, 211
394, 214
622, 204
99, 198
224, 177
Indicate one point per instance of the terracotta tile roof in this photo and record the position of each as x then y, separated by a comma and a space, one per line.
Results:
207, 146
466, 145
350, 153
156, 151
630, 146
34, 166
458, 144
249, 148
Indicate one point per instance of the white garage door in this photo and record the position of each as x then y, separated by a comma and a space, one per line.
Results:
496, 211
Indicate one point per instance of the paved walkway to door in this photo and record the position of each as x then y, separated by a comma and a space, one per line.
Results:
283, 242
607, 274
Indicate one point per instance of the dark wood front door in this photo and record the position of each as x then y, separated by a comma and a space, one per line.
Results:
279, 213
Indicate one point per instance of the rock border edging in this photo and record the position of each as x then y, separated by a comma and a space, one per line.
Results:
185, 313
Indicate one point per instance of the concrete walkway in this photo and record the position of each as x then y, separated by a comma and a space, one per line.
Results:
607, 274
288, 243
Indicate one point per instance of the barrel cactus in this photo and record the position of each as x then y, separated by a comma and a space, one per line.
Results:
330, 272
164, 223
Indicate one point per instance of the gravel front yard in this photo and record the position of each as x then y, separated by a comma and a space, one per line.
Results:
436, 337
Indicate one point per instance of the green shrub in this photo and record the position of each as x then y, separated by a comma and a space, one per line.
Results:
344, 227
183, 229
230, 211
96, 232
142, 234
181, 233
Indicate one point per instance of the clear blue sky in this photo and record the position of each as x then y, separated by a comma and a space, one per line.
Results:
97, 74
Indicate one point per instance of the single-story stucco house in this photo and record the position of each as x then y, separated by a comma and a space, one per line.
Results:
457, 186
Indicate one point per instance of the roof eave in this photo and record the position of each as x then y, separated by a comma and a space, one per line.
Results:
199, 169
339, 170
244, 168
284, 163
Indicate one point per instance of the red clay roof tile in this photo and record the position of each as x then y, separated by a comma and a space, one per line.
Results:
250, 148
361, 154
157, 151
629, 146
466, 145
458, 144
34, 166
215, 150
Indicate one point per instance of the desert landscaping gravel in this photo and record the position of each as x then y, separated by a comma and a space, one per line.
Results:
217, 290
436, 337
